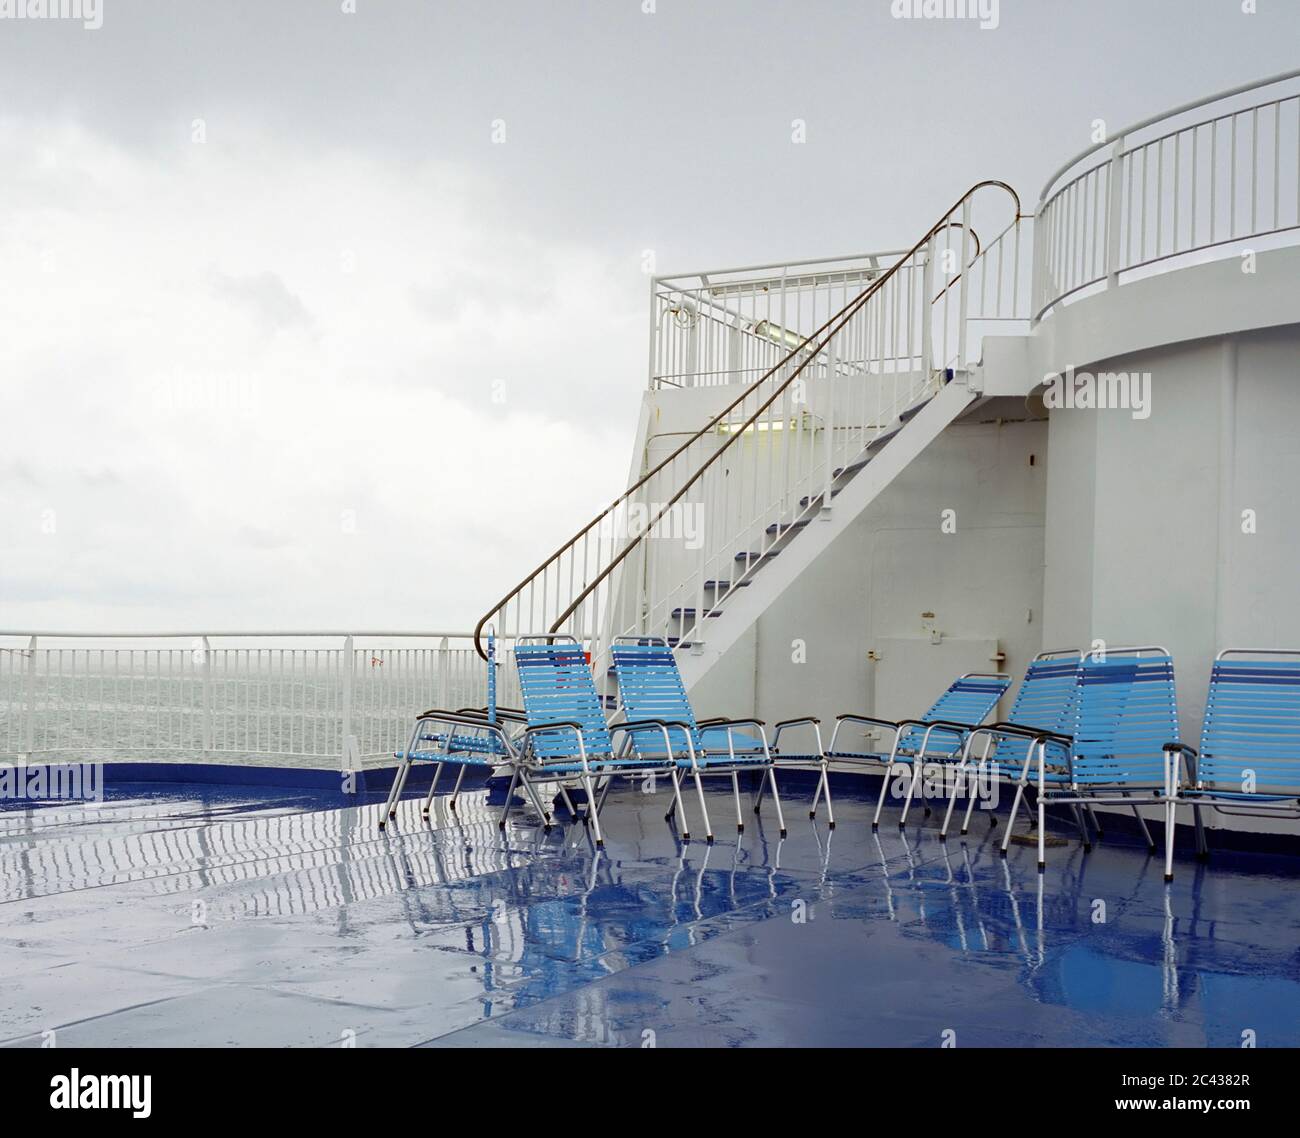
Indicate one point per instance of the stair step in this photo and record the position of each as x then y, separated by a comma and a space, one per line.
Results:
912, 411
753, 558
723, 586
804, 501
775, 528
678, 614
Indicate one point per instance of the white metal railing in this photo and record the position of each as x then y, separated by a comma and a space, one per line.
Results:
1196, 181
720, 326
695, 526
322, 695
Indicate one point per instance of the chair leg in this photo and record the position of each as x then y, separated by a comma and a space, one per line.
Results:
394, 793
510, 794
433, 786
1011, 822
1042, 827
593, 814
1082, 823
678, 807
704, 810
970, 809
884, 789
455, 790
735, 790
952, 802
1146, 830
536, 800
1202, 846
568, 802
1169, 840
917, 767
817, 794
826, 785
776, 800
1092, 815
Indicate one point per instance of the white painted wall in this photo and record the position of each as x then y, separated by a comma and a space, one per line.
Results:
894, 564
1144, 538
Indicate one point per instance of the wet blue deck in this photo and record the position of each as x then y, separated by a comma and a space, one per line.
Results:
208, 915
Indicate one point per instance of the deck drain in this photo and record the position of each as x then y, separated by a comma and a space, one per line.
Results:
1031, 839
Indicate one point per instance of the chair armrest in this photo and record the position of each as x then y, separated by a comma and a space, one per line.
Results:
805, 721
1181, 748
869, 720
456, 719
648, 724
662, 726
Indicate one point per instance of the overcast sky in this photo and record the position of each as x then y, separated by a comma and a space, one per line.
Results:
288, 340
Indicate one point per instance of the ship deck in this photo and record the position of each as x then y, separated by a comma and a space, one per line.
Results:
220, 914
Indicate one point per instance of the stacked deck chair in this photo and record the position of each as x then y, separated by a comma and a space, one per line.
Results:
651, 690
1043, 711
470, 738
567, 738
940, 736
562, 737
1249, 758
1113, 752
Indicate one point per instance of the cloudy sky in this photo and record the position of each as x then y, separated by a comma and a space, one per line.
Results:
312, 318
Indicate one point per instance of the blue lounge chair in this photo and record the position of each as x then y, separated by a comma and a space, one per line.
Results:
567, 738
466, 743
1113, 753
1044, 708
563, 738
650, 688
1249, 758
939, 736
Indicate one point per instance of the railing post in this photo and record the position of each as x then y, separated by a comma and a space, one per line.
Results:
967, 271
29, 718
1114, 211
828, 421
444, 661
346, 737
206, 693
654, 331
927, 316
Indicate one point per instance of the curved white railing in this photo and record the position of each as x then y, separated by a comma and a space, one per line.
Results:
339, 696
1173, 185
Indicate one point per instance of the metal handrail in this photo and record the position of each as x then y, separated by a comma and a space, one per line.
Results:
821, 336
1150, 120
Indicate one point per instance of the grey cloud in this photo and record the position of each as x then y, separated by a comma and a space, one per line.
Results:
265, 297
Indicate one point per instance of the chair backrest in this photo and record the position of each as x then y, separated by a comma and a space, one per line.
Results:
968, 700
1125, 713
650, 687
1046, 699
1251, 736
557, 687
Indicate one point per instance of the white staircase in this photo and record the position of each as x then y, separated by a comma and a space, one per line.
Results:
854, 491
826, 395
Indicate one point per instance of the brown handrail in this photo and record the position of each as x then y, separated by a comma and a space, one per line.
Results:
843, 316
